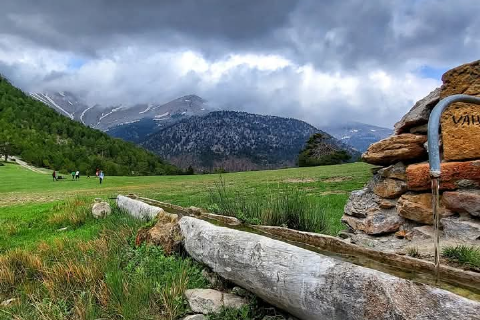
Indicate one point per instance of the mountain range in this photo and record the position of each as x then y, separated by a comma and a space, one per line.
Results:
188, 132
235, 141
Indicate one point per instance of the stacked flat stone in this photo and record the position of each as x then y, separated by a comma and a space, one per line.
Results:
398, 198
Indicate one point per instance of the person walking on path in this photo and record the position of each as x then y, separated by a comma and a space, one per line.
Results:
77, 175
54, 175
101, 176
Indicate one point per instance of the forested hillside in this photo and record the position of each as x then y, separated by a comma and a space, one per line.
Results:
234, 141
41, 136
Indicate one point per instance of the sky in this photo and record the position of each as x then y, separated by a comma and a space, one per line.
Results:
322, 61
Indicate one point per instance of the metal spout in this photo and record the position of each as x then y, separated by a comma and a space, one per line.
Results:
434, 125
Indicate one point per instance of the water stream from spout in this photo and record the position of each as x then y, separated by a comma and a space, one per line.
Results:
436, 224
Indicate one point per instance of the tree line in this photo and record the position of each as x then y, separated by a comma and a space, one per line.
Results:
44, 138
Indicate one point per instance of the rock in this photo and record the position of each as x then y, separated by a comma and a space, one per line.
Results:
9, 302
387, 203
418, 207
421, 233
454, 175
403, 147
361, 202
423, 129
315, 286
165, 233
233, 301
395, 171
363, 212
460, 122
378, 221
419, 114
389, 188
212, 301
137, 208
204, 300
461, 228
195, 317
463, 201
101, 209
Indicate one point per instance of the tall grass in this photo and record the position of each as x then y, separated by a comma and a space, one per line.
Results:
288, 207
106, 277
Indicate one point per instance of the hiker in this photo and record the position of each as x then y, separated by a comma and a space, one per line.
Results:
54, 175
77, 175
73, 175
101, 176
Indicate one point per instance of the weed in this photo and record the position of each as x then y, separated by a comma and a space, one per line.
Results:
468, 256
413, 252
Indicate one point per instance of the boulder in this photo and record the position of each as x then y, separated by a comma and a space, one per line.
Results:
310, 285
463, 201
418, 207
389, 188
378, 221
137, 208
419, 114
361, 202
395, 171
212, 301
101, 209
454, 175
461, 228
165, 233
461, 122
403, 147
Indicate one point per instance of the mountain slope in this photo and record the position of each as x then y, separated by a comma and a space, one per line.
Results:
118, 118
358, 135
45, 138
233, 141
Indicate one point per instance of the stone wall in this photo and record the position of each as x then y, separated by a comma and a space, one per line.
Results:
397, 200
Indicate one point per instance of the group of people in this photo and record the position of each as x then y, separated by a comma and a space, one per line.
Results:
76, 175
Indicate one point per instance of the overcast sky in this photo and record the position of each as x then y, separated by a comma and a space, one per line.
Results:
316, 60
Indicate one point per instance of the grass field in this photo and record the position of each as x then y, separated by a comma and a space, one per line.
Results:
47, 235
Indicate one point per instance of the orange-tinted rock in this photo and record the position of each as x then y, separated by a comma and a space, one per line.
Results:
461, 122
418, 207
403, 147
389, 188
454, 175
463, 201
387, 203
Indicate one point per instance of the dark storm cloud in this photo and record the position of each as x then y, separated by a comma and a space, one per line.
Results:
90, 26
354, 57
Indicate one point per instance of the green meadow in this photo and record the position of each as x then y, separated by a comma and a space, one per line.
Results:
58, 262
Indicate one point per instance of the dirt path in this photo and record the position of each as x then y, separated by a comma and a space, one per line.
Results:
27, 166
